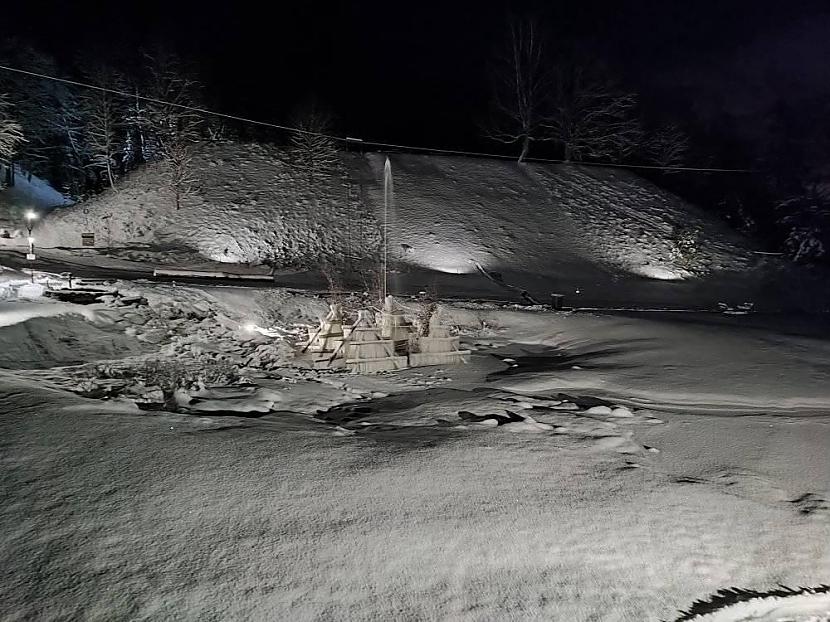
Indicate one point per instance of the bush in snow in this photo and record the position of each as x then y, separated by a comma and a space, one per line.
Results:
667, 146
313, 149
167, 376
806, 218
685, 250
429, 307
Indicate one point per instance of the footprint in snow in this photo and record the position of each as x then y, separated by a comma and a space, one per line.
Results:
810, 503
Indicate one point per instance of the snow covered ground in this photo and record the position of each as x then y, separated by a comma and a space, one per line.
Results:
581, 467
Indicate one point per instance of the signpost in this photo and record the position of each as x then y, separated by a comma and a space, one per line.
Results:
31, 217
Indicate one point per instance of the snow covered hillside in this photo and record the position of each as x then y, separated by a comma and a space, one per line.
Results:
451, 215
250, 205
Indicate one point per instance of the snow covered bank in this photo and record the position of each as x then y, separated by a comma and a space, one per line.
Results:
588, 233
251, 205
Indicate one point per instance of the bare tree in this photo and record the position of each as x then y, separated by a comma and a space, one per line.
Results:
173, 127
520, 88
11, 132
667, 146
589, 116
104, 116
313, 148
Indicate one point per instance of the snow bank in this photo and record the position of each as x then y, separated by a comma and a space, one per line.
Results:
17, 312
450, 214
251, 205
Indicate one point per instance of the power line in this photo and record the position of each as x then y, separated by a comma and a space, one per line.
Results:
166, 103
460, 152
502, 156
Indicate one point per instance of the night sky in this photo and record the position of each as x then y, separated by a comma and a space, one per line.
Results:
416, 71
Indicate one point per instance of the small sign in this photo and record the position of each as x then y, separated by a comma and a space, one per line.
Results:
87, 239
30, 256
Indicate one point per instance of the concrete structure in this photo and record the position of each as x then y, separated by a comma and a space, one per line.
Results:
393, 324
438, 348
325, 344
387, 345
365, 349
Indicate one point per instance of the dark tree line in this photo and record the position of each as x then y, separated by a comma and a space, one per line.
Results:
83, 139
572, 104
571, 107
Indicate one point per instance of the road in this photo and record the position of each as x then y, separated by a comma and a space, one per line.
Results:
82, 270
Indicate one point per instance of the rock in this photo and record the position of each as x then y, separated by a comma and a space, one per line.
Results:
599, 410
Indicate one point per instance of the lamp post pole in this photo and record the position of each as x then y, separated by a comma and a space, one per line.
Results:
31, 217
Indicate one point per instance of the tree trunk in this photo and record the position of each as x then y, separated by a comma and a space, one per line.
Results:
109, 173
525, 148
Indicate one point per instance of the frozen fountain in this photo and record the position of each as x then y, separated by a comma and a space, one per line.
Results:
388, 210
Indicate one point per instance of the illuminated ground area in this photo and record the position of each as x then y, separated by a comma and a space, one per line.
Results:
503, 489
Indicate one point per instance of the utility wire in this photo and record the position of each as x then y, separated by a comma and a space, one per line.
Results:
166, 103
349, 140
559, 161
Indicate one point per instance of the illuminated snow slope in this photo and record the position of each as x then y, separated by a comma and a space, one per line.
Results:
249, 205
450, 213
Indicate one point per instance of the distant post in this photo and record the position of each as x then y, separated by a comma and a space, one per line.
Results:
31, 217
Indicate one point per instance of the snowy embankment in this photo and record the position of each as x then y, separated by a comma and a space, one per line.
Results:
599, 236
250, 205
557, 476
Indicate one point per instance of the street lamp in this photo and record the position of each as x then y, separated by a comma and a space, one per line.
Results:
31, 217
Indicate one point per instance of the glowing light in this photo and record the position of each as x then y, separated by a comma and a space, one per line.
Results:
251, 327
446, 262
661, 274
31, 215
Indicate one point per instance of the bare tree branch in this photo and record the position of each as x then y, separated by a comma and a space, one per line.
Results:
313, 149
520, 88
174, 131
104, 116
667, 146
11, 132
590, 116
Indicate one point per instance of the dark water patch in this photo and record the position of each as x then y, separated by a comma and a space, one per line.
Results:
222, 428
688, 480
550, 358
226, 413
344, 414
583, 401
510, 417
